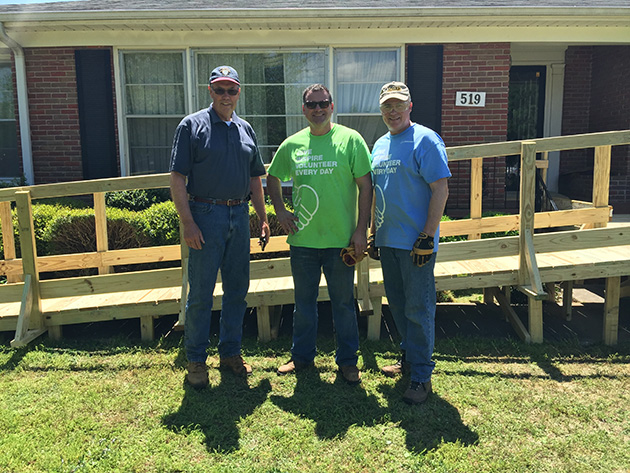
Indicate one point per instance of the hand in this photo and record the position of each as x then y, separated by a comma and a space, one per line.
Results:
350, 257
372, 249
359, 241
422, 250
264, 235
287, 221
193, 236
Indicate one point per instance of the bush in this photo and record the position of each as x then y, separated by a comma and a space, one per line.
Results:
74, 231
138, 199
272, 219
162, 223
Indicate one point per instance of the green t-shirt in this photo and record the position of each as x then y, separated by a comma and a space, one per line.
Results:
323, 169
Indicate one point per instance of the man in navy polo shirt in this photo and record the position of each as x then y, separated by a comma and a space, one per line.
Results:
215, 170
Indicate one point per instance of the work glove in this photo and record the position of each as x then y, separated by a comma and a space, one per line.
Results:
372, 250
422, 250
350, 257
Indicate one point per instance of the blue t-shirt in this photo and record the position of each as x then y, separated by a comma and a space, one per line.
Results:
218, 159
403, 167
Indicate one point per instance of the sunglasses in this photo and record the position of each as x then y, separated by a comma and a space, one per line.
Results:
221, 91
321, 103
399, 107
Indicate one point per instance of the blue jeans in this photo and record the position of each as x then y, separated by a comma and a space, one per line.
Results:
306, 266
226, 234
411, 296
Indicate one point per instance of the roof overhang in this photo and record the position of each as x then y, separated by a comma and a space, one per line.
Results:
321, 25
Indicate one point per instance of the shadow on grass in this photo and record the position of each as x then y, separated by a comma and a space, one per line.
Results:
427, 425
216, 410
333, 407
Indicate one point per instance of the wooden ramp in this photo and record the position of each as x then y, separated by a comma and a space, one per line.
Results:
530, 262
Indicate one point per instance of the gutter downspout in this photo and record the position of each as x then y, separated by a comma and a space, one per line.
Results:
22, 97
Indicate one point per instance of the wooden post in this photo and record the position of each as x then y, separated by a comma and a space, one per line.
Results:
601, 179
528, 271
363, 288
567, 299
8, 240
476, 192
374, 320
545, 168
611, 310
100, 223
263, 317
147, 332
184, 294
30, 321
527, 202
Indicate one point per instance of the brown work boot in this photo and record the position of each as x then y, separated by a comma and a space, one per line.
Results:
293, 365
197, 375
351, 374
400, 367
417, 392
236, 365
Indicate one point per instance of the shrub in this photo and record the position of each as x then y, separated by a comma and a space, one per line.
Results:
137, 199
74, 231
272, 219
162, 222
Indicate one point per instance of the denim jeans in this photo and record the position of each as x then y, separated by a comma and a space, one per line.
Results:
411, 296
226, 234
306, 266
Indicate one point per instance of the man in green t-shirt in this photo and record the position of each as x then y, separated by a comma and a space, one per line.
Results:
331, 170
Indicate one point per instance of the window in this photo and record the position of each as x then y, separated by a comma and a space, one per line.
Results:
154, 105
156, 96
359, 76
9, 162
272, 85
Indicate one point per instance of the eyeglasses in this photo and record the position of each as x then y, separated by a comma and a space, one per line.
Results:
321, 103
221, 91
399, 107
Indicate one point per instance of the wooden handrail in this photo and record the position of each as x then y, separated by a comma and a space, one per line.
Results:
473, 227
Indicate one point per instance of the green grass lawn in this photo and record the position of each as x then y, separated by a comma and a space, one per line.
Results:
109, 405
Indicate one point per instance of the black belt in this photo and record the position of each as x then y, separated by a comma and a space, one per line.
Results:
229, 202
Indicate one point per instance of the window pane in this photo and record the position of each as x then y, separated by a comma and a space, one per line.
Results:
7, 109
155, 100
155, 103
154, 68
360, 76
370, 127
150, 141
9, 161
272, 85
9, 164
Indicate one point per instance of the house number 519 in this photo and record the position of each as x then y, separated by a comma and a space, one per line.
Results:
470, 99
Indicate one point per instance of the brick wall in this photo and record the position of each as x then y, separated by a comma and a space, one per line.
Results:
610, 94
478, 68
596, 98
56, 143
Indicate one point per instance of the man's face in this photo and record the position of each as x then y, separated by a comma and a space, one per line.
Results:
222, 102
396, 115
318, 117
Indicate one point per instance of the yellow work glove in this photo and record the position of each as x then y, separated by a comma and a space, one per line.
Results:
422, 250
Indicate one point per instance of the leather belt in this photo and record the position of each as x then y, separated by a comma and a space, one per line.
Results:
229, 202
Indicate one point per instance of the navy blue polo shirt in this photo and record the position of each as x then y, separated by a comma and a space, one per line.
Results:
218, 159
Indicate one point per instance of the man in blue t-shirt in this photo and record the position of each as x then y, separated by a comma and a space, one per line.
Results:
410, 185
215, 170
